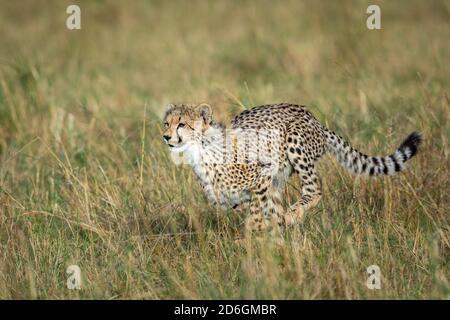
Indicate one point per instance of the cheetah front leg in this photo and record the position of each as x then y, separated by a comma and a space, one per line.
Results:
244, 206
266, 211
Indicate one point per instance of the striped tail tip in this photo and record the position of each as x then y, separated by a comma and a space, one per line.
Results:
411, 144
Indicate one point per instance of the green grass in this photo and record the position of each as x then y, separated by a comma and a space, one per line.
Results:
79, 185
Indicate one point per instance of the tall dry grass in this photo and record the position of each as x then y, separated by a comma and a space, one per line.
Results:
85, 178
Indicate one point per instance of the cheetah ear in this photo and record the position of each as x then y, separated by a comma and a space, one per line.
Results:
169, 108
205, 111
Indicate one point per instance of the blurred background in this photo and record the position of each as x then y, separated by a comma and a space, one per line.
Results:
85, 178
317, 53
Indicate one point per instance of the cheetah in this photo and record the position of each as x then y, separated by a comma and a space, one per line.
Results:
250, 162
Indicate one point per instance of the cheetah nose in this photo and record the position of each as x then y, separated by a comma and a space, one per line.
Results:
166, 137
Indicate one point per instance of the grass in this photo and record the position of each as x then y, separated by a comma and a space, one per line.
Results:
85, 178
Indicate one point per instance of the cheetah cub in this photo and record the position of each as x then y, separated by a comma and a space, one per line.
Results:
251, 161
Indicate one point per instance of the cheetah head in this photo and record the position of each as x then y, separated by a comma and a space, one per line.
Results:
185, 125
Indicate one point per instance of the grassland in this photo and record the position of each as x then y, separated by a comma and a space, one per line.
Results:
85, 178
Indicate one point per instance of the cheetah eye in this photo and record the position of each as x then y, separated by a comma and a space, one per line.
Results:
166, 125
181, 125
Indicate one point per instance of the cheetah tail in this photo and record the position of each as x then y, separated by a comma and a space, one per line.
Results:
361, 164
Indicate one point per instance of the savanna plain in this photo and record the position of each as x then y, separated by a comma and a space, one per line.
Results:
85, 178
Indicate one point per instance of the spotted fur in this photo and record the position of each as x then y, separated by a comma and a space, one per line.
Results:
289, 140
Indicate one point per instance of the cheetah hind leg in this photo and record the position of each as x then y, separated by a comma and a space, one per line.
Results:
311, 191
